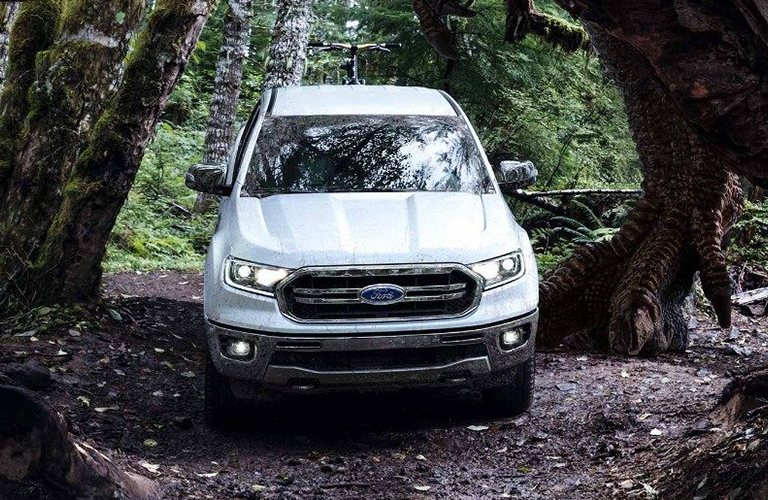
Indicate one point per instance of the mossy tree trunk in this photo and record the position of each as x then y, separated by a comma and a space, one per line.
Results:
74, 78
84, 135
33, 32
695, 83
7, 15
226, 90
288, 48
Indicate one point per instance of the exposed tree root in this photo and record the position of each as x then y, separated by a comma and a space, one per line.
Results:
36, 446
732, 462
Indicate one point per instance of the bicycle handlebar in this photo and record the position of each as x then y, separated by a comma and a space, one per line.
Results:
360, 47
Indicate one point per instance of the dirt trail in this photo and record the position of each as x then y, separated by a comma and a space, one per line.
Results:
599, 427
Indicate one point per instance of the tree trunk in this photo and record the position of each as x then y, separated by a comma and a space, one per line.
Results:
7, 14
33, 32
288, 49
226, 90
63, 263
74, 77
626, 294
35, 445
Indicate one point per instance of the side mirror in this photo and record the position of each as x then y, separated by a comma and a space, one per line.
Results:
209, 179
515, 175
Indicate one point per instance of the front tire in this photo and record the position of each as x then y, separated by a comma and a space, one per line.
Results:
220, 403
514, 398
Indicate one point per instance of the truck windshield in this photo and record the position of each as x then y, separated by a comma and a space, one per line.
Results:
321, 154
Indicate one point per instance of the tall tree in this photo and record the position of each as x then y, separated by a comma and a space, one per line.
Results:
7, 14
693, 76
66, 174
226, 90
288, 49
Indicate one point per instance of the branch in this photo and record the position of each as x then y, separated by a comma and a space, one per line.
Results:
559, 33
437, 33
523, 18
573, 192
535, 201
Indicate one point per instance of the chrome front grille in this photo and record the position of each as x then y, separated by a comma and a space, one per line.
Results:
330, 294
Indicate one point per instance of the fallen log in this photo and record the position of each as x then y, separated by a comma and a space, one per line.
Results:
750, 297
35, 445
576, 192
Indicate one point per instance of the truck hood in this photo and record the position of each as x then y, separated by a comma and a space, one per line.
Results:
319, 229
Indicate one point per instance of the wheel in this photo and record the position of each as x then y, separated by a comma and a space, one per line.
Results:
220, 403
514, 398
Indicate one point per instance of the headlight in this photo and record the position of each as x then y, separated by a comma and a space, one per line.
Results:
501, 270
253, 277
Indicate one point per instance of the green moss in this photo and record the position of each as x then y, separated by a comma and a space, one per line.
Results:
33, 31
559, 32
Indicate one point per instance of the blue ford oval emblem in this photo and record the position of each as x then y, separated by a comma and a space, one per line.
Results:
382, 295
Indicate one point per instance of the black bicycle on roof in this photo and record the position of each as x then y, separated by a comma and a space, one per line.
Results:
351, 65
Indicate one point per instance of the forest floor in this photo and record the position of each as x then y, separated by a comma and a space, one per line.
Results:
600, 427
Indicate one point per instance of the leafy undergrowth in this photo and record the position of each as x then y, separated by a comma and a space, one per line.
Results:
750, 235
157, 229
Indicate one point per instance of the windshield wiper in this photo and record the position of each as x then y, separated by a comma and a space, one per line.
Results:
264, 192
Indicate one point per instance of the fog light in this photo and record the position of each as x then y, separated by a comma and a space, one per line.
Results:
512, 338
239, 349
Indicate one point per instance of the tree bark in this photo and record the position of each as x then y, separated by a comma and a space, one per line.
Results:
35, 445
226, 90
7, 14
63, 265
33, 32
74, 77
288, 48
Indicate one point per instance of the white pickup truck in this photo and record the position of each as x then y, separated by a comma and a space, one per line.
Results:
364, 243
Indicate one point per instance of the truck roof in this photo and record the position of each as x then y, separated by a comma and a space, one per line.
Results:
360, 100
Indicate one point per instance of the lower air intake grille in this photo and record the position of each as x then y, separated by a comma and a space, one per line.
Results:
387, 359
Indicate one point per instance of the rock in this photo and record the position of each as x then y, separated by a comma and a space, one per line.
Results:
757, 309
115, 315
703, 373
183, 422
734, 333
30, 375
540, 436
739, 351
567, 386
27, 334
693, 323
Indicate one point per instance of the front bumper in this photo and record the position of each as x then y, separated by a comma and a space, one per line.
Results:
449, 357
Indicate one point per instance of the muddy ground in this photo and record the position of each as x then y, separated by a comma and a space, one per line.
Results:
600, 427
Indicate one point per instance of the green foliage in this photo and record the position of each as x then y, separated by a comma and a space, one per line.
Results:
554, 237
750, 235
41, 319
156, 229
